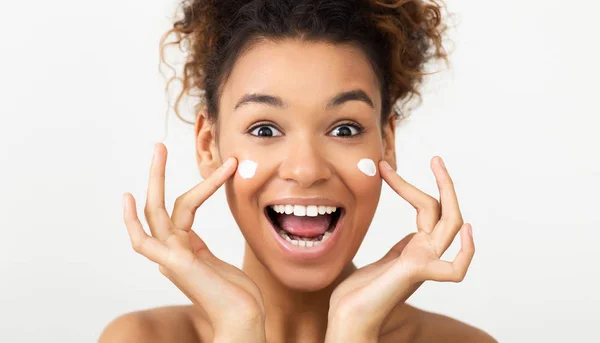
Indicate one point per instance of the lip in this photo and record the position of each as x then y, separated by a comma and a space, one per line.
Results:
305, 254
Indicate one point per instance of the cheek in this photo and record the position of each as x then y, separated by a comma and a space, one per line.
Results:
253, 173
359, 171
364, 180
252, 170
367, 167
360, 175
242, 192
247, 169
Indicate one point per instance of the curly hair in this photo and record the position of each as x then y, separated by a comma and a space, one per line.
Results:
398, 37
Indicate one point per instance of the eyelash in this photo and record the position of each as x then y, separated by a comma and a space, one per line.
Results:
263, 124
359, 128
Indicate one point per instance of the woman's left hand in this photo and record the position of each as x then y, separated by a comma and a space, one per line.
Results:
360, 305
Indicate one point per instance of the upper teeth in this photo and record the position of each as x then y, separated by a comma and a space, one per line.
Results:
301, 210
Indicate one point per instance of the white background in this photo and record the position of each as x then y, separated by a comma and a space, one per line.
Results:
516, 119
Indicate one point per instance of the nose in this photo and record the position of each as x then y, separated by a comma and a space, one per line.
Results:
305, 164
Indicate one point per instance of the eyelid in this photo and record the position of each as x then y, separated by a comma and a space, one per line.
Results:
265, 123
356, 125
348, 122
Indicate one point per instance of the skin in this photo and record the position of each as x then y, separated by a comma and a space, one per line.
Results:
281, 299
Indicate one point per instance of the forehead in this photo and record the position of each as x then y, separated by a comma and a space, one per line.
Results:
302, 73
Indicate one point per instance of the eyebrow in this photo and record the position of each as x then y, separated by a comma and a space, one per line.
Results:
277, 102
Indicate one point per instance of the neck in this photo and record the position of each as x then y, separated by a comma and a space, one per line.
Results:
291, 315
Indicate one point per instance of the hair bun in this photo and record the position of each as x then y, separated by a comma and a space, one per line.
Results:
398, 37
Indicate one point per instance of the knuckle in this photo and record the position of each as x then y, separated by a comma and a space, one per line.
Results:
455, 220
164, 271
184, 202
432, 203
153, 207
137, 245
460, 275
180, 200
171, 242
147, 211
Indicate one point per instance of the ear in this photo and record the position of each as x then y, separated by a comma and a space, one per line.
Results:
389, 140
207, 155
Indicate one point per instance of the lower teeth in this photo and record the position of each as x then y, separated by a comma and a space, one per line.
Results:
303, 243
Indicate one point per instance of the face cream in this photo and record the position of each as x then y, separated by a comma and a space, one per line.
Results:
247, 168
367, 166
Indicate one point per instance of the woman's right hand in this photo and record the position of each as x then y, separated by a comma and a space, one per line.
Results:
226, 295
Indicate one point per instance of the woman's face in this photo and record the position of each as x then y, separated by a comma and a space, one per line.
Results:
305, 138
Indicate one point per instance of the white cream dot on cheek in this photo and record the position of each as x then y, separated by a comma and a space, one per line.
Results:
367, 166
247, 168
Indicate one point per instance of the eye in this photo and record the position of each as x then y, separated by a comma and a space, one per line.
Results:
264, 130
346, 130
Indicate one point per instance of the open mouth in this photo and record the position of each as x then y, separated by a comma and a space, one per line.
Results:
304, 226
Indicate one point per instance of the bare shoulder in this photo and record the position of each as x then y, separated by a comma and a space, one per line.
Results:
157, 325
440, 328
428, 327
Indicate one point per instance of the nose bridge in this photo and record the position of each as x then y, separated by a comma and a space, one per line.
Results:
305, 162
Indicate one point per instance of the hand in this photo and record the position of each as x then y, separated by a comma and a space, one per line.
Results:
226, 295
364, 300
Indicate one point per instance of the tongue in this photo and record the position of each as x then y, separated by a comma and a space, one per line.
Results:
304, 226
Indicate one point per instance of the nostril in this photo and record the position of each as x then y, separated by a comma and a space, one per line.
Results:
306, 173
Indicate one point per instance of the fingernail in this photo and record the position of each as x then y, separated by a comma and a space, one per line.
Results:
441, 162
124, 202
470, 230
387, 165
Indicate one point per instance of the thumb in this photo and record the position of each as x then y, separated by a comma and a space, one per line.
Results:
396, 250
196, 243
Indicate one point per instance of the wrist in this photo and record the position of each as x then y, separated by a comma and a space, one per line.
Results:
248, 332
235, 336
238, 337
350, 330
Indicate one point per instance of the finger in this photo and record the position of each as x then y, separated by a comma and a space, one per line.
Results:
143, 244
428, 208
451, 219
196, 242
456, 270
396, 250
155, 211
186, 205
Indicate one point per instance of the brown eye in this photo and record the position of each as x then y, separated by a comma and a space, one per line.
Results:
346, 130
265, 131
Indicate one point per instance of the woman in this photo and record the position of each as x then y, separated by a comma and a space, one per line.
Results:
297, 119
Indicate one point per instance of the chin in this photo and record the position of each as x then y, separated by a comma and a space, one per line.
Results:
304, 278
